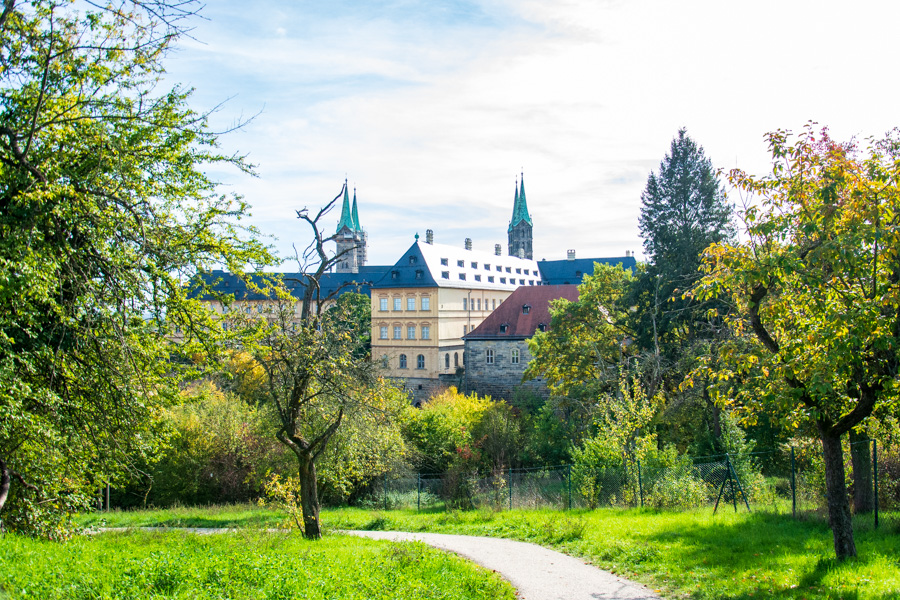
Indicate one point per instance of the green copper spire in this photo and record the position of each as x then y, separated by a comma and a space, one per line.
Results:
520, 207
356, 225
346, 215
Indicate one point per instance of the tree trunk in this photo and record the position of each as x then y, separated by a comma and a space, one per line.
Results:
836, 491
309, 497
4, 483
861, 456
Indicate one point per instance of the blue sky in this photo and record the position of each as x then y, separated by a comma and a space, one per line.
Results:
431, 109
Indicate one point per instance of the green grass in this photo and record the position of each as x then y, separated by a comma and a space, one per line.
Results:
683, 554
244, 565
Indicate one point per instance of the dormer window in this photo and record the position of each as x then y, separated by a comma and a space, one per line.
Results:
413, 260
460, 263
542, 326
526, 308
445, 262
395, 274
474, 265
420, 274
504, 327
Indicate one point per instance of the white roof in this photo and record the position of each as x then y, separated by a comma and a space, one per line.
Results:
455, 267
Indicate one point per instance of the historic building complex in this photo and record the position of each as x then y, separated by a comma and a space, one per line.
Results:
444, 314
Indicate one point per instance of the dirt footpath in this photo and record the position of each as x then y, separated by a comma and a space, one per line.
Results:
536, 572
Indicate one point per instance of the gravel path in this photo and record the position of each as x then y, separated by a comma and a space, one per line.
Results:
536, 572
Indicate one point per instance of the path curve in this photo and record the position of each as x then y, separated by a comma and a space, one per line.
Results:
536, 572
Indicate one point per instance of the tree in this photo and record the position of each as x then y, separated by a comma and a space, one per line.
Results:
315, 363
816, 292
105, 212
683, 211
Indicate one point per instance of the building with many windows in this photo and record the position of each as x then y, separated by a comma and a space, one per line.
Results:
429, 299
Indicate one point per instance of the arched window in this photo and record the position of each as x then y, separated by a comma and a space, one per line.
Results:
420, 361
456, 359
447, 361
402, 361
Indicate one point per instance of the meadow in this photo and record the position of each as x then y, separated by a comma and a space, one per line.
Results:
692, 554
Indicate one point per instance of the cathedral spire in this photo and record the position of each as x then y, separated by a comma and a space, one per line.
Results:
355, 214
520, 207
346, 215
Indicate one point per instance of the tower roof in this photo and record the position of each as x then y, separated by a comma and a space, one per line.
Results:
355, 214
346, 215
520, 207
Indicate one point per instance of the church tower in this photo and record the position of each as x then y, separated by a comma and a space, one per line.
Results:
520, 227
351, 239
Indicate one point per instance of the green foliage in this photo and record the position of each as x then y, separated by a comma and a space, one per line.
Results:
105, 212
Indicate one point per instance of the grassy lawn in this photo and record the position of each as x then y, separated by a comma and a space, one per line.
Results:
243, 565
683, 554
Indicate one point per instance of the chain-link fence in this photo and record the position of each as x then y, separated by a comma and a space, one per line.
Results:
790, 481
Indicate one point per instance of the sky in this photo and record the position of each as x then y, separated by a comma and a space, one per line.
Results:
431, 109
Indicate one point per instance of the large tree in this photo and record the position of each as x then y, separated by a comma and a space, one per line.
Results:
816, 291
105, 212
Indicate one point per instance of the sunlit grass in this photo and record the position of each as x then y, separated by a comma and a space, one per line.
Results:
244, 565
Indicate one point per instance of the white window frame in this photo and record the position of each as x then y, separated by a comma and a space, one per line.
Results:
411, 303
488, 357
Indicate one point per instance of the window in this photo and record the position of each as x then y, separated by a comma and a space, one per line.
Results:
509, 269
426, 303
514, 356
383, 332
411, 303
526, 271
521, 282
445, 274
542, 326
487, 267
395, 274
383, 304
420, 361
397, 332
460, 263
479, 303
478, 278
474, 264
456, 359
420, 274
462, 276
445, 262
413, 260
411, 332
490, 279
384, 361
489, 357
426, 332
398, 304
464, 329
577, 273
494, 304
447, 361
499, 269
465, 304
503, 280
402, 361
526, 308
519, 271
504, 327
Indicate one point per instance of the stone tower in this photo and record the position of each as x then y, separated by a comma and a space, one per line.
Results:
351, 239
520, 227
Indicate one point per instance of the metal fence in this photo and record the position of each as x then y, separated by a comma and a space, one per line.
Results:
790, 481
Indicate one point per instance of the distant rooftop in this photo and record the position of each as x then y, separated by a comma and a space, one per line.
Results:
526, 311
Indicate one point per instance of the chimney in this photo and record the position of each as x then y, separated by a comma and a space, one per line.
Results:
429, 236
498, 249
570, 255
468, 243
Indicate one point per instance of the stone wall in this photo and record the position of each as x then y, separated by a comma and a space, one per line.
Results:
502, 378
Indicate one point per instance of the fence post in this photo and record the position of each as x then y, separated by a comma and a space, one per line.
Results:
640, 484
875, 477
793, 482
107, 496
569, 486
510, 488
418, 492
731, 481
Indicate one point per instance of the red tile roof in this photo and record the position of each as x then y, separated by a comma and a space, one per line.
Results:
511, 313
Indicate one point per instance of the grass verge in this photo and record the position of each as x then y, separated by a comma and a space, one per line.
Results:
244, 565
684, 554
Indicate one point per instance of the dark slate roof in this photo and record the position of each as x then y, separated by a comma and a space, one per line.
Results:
223, 282
561, 272
511, 313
